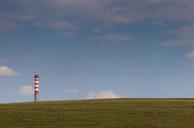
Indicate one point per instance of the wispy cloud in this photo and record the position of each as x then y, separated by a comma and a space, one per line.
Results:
113, 38
190, 55
186, 30
6, 25
178, 42
58, 24
103, 95
7, 71
109, 11
122, 12
26, 90
184, 36
63, 14
72, 91
153, 1
3, 61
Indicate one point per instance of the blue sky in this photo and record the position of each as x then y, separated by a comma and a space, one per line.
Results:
96, 49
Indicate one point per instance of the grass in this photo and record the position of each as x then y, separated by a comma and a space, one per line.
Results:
113, 113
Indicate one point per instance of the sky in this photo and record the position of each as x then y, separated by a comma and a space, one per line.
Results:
90, 49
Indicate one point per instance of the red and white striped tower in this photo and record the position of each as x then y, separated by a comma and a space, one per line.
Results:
36, 88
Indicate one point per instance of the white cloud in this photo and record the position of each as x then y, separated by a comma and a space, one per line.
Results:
26, 90
72, 91
7, 71
103, 95
190, 55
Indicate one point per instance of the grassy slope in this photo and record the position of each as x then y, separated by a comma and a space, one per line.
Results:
117, 113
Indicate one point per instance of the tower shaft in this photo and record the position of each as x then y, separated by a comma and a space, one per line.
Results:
36, 88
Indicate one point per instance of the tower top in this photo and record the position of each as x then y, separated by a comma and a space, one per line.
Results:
36, 76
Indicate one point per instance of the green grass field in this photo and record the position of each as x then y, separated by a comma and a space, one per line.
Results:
114, 113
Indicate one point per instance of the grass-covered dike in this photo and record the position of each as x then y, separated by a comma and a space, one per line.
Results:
113, 113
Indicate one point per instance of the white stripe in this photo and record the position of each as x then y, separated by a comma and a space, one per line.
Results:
36, 89
36, 78
36, 82
36, 85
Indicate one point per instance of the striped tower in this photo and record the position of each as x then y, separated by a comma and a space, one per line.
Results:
36, 88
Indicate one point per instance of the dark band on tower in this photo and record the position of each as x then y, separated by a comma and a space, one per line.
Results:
36, 88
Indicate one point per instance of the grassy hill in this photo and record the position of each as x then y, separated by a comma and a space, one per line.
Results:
114, 113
